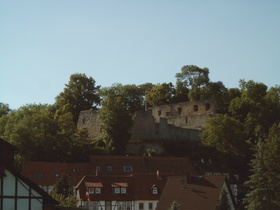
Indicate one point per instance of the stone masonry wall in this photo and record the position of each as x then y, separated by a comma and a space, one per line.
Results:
179, 121
89, 120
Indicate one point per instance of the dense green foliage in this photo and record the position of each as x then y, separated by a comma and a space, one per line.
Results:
115, 121
223, 203
265, 180
80, 94
226, 135
41, 135
174, 206
63, 192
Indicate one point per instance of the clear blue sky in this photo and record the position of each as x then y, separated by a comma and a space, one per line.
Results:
43, 42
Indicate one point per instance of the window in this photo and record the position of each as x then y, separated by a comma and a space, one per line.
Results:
57, 175
167, 114
195, 108
150, 206
141, 206
109, 168
120, 206
123, 190
97, 190
97, 168
207, 106
90, 190
179, 110
74, 170
128, 205
117, 190
187, 119
155, 191
159, 113
93, 205
127, 168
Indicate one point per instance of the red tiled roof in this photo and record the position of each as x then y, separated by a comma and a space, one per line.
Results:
199, 194
138, 187
140, 164
43, 173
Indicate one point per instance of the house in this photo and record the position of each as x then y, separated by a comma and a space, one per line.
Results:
237, 189
129, 192
16, 191
45, 174
193, 192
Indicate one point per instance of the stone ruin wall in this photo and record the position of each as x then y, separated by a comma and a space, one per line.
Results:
181, 121
191, 115
89, 120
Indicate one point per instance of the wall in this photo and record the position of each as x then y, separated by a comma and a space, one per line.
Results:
89, 120
181, 121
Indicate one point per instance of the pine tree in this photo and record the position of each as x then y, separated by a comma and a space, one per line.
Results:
174, 206
265, 180
223, 203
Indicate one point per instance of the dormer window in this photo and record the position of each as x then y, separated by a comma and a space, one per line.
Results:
154, 190
123, 190
91, 190
94, 187
117, 190
97, 190
120, 188
97, 168
127, 169
109, 168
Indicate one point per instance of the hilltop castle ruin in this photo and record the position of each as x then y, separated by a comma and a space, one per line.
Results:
171, 122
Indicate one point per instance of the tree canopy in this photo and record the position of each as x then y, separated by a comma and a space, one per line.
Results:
80, 94
265, 167
116, 123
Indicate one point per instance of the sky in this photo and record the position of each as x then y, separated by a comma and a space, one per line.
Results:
44, 42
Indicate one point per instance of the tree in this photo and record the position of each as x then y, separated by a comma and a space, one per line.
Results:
265, 180
174, 206
223, 203
193, 76
80, 94
42, 136
160, 94
257, 108
132, 96
116, 123
4, 109
225, 134
194, 79
63, 192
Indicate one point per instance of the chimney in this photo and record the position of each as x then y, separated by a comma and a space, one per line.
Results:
158, 174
